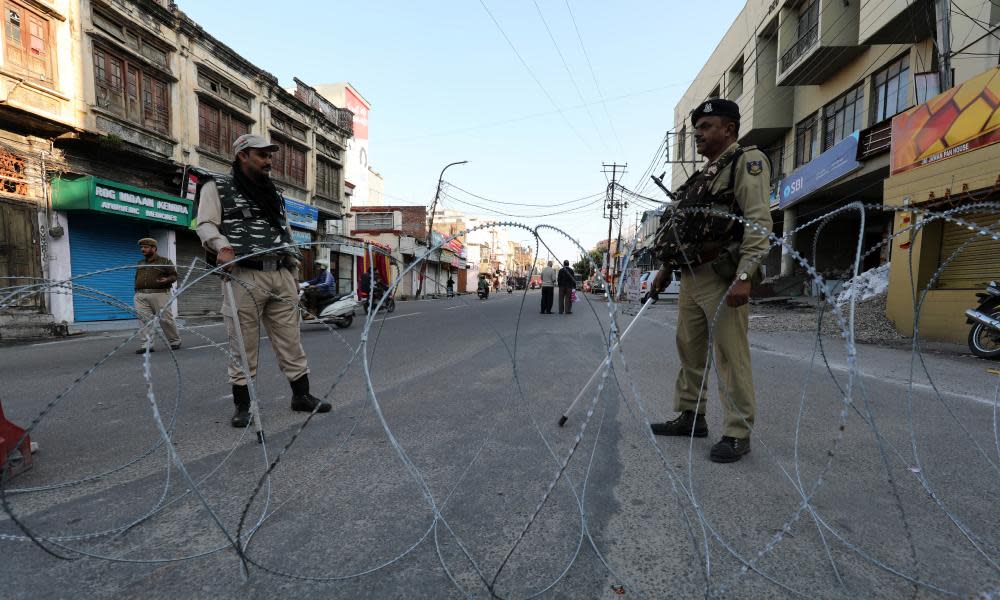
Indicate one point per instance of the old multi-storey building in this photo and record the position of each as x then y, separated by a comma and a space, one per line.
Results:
819, 83
110, 100
38, 105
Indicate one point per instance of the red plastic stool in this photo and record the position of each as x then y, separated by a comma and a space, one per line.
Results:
13, 459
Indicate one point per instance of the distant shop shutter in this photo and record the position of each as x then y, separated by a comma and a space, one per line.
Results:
979, 262
99, 242
202, 298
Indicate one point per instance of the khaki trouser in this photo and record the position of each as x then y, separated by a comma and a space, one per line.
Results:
700, 296
146, 305
271, 297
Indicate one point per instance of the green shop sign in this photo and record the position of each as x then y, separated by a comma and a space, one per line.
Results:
101, 195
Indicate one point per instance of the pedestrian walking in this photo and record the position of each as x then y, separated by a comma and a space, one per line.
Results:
154, 276
718, 258
242, 214
567, 283
549, 281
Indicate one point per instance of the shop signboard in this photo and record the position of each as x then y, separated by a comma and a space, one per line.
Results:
957, 121
301, 215
302, 237
110, 197
826, 168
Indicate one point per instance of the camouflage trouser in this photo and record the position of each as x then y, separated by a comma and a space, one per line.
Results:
700, 297
270, 297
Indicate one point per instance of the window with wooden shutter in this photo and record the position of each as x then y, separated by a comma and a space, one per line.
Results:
208, 126
327, 179
131, 90
289, 163
27, 42
218, 129
133, 106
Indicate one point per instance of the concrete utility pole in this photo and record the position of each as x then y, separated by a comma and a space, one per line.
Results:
943, 10
430, 226
612, 206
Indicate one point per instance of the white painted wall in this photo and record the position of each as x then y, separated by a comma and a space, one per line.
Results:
60, 300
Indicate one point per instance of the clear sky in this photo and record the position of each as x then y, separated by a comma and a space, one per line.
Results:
445, 85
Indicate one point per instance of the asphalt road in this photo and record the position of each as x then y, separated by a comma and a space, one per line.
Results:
901, 472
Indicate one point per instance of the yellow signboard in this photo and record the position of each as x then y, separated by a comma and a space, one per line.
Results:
957, 121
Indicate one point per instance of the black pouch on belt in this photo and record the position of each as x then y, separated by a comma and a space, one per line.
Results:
725, 265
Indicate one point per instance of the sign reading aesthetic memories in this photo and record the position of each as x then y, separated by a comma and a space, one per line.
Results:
101, 195
825, 168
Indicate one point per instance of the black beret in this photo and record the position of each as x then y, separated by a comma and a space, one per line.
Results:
716, 107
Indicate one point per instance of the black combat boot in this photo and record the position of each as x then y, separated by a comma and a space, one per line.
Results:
241, 398
687, 424
729, 449
302, 400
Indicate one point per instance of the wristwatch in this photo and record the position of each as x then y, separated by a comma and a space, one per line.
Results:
744, 276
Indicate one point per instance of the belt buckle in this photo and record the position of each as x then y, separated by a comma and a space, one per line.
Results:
269, 264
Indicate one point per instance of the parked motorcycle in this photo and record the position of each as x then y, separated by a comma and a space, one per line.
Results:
335, 310
388, 306
984, 337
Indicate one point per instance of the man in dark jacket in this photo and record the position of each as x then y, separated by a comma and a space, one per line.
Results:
567, 283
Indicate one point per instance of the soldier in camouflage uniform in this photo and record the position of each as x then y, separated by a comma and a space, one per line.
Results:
718, 259
240, 215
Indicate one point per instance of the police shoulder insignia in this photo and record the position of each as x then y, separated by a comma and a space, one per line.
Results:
755, 167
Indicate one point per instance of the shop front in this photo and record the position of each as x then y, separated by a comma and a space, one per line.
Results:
104, 221
304, 221
830, 181
945, 156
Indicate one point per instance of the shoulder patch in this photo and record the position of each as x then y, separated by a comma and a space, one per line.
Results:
755, 167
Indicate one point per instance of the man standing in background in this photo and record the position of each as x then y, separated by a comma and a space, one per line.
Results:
567, 283
154, 276
548, 288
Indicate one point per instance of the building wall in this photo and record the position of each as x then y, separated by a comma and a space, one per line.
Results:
343, 94
761, 103
67, 124
943, 314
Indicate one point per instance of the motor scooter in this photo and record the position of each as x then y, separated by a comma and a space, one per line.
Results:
984, 337
334, 310
388, 306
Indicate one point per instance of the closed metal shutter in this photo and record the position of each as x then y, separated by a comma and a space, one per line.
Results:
100, 242
205, 297
979, 261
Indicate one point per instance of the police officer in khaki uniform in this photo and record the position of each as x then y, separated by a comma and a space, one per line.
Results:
718, 260
243, 214
154, 276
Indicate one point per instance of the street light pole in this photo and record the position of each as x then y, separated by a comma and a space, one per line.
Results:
430, 226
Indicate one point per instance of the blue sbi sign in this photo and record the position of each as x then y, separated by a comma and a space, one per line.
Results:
828, 167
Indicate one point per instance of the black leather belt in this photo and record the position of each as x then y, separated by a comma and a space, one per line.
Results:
267, 264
